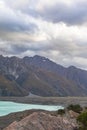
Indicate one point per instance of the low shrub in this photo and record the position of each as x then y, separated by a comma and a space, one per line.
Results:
76, 108
61, 111
82, 118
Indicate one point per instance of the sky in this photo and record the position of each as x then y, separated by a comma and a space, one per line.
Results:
56, 29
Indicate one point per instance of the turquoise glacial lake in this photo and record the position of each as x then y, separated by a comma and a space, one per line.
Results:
10, 107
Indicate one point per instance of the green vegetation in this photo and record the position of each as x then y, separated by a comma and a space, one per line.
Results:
61, 111
82, 119
76, 108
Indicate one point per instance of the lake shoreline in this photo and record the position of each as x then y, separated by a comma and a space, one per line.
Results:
63, 101
7, 107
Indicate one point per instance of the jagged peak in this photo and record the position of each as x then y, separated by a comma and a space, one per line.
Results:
72, 67
40, 57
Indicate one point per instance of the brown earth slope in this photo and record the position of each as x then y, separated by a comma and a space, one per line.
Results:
44, 121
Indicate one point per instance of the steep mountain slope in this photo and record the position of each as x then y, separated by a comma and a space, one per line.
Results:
10, 88
50, 84
72, 74
77, 75
63, 86
40, 76
10, 69
45, 64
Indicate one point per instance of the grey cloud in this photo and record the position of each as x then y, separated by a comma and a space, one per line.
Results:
63, 47
11, 26
29, 46
12, 20
69, 49
76, 13
18, 48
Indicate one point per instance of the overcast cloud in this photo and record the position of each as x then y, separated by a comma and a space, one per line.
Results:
54, 29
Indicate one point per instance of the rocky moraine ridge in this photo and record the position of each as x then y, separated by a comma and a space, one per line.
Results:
39, 120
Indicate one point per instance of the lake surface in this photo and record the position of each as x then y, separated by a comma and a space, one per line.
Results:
10, 107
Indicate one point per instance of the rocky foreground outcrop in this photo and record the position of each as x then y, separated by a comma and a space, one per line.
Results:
45, 121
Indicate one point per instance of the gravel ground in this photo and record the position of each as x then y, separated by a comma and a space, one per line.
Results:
64, 101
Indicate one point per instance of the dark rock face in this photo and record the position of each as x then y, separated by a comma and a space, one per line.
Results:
40, 76
71, 73
43, 121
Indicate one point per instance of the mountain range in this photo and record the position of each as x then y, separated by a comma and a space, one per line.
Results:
40, 76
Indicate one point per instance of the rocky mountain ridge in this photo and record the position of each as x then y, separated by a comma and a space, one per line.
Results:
40, 76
